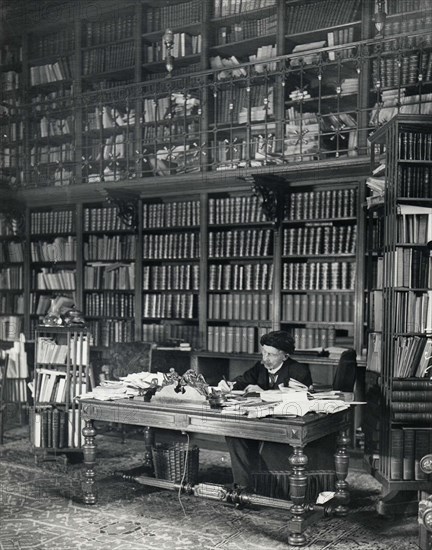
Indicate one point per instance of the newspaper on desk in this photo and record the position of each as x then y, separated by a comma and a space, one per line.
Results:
290, 401
294, 400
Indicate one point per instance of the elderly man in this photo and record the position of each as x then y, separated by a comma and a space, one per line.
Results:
275, 368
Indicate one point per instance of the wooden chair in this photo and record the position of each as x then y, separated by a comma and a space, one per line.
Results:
3, 374
127, 358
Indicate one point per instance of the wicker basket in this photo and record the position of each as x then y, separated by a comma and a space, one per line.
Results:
169, 462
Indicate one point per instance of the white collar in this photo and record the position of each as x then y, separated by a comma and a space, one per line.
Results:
274, 371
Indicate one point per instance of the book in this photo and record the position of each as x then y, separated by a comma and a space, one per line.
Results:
396, 455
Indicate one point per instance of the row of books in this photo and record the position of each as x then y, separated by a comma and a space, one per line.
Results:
173, 130
338, 37
117, 247
11, 278
11, 326
172, 246
52, 101
14, 131
52, 154
54, 221
303, 17
415, 145
48, 175
153, 332
183, 44
171, 277
9, 80
412, 267
53, 43
108, 58
411, 356
105, 332
109, 276
314, 307
108, 304
111, 30
391, 72
310, 338
241, 276
11, 252
238, 306
109, 117
55, 428
158, 109
169, 306
50, 350
232, 339
104, 218
55, 386
9, 157
408, 446
62, 249
111, 149
171, 214
320, 239
403, 6
318, 276
8, 225
246, 29
40, 304
48, 279
224, 8
15, 391
231, 105
413, 312
10, 54
173, 15
51, 72
11, 303
415, 181
395, 101
336, 203
414, 225
240, 243
231, 210
53, 127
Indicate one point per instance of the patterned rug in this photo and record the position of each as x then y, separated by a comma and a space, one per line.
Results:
41, 508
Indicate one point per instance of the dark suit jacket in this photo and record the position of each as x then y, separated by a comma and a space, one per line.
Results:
258, 375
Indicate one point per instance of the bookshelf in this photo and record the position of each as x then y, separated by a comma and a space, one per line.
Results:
62, 371
319, 252
11, 278
171, 251
240, 273
400, 338
109, 253
52, 258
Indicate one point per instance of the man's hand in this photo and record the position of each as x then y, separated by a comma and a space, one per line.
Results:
253, 388
225, 386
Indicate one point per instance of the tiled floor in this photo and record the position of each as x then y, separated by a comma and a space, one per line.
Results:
41, 508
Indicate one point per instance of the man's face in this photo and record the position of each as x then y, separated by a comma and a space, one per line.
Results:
272, 357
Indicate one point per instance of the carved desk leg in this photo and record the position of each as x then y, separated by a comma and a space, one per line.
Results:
298, 482
148, 444
341, 467
89, 450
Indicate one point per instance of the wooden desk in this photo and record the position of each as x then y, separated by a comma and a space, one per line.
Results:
297, 431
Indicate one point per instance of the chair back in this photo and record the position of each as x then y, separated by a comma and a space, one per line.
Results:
129, 357
345, 375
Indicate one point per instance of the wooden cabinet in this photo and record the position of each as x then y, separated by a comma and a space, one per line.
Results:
400, 343
62, 371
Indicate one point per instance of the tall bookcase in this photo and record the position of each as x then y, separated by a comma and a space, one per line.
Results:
62, 371
52, 260
400, 345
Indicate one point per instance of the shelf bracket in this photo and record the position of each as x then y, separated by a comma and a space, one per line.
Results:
271, 191
127, 204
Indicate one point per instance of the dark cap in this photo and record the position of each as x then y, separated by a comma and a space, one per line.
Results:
279, 339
